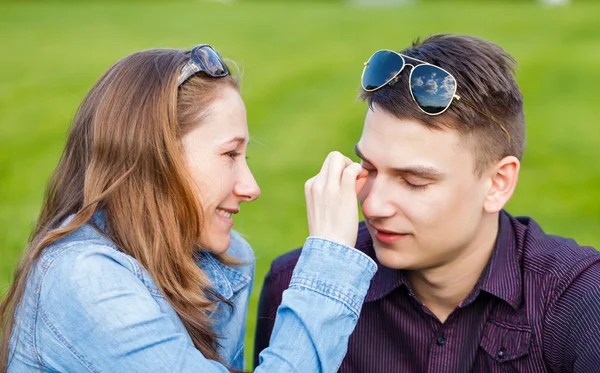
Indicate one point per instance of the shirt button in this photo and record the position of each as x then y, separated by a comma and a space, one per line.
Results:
501, 353
441, 340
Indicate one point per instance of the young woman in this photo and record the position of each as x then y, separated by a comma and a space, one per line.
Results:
133, 265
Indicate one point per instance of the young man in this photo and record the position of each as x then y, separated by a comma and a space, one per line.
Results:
462, 286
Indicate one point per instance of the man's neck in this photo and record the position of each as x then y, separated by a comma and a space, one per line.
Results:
443, 288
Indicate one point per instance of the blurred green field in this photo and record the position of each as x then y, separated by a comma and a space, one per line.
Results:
302, 64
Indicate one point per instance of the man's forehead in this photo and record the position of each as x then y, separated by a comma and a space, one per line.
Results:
396, 143
390, 133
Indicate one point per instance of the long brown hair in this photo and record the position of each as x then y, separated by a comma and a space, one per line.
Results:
123, 156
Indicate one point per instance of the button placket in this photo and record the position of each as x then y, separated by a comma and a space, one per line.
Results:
441, 340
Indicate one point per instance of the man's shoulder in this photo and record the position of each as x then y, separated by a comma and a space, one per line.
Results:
547, 254
285, 264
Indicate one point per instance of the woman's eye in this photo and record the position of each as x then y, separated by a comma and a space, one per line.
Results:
232, 154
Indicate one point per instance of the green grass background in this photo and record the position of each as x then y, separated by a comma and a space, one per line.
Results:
302, 64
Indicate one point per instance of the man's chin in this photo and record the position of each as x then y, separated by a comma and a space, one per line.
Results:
390, 258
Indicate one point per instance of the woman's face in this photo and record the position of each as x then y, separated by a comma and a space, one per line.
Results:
215, 152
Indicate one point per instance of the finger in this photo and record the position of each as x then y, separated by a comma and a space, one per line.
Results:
337, 164
320, 179
349, 176
308, 194
308, 187
326, 162
361, 181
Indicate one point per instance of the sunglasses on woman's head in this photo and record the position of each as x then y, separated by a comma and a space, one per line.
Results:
432, 88
206, 59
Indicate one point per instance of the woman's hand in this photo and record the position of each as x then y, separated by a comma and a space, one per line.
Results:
331, 199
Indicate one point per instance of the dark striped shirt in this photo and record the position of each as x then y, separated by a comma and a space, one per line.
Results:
535, 308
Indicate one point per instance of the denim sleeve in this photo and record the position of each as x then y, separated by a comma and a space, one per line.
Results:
93, 305
268, 300
319, 310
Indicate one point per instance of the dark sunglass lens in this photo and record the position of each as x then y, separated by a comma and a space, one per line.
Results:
210, 61
380, 69
432, 88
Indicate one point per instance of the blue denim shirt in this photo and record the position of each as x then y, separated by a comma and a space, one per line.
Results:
88, 307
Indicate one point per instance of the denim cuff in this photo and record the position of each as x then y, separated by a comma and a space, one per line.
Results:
335, 270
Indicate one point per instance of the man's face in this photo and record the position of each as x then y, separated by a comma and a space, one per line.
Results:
423, 203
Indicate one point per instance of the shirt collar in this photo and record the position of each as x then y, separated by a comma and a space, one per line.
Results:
226, 280
501, 278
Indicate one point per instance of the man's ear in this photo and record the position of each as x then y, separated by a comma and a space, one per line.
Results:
503, 176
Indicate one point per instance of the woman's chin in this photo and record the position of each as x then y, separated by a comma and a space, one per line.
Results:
217, 245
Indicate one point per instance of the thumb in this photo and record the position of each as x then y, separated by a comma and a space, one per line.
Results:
361, 181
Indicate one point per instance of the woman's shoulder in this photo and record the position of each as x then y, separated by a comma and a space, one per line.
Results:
84, 247
81, 263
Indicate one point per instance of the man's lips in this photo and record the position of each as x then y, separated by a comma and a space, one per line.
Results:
386, 236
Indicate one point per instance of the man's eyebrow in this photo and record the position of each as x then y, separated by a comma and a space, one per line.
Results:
425, 172
418, 170
359, 154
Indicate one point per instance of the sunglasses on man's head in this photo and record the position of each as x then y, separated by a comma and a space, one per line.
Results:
203, 58
432, 88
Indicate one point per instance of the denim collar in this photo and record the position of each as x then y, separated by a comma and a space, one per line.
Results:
226, 280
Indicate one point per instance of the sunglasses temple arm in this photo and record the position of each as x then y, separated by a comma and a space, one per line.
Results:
485, 115
186, 72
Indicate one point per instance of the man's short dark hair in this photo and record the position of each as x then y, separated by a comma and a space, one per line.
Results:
485, 76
